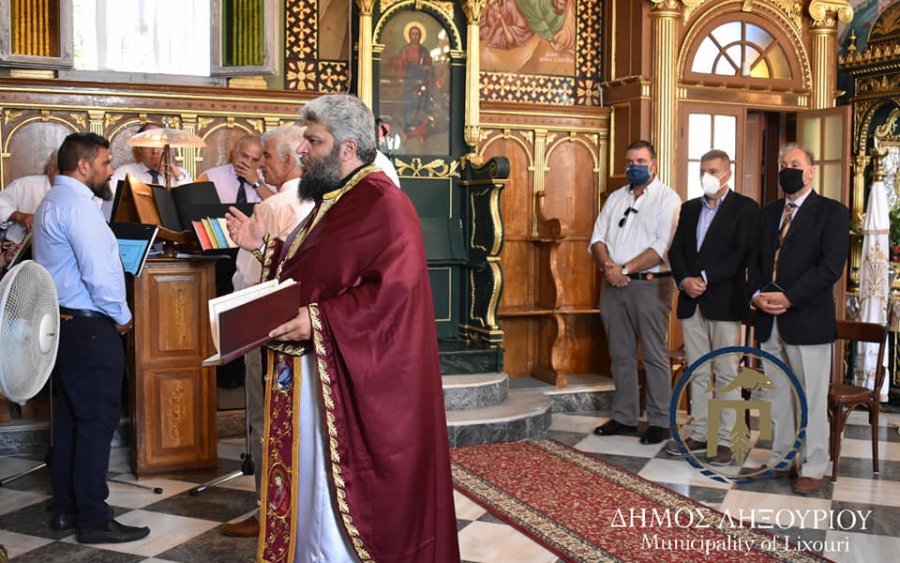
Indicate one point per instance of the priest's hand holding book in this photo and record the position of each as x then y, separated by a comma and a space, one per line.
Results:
247, 232
295, 330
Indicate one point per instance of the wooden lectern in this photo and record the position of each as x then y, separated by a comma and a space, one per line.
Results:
173, 398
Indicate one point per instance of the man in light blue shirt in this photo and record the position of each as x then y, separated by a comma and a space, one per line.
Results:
72, 241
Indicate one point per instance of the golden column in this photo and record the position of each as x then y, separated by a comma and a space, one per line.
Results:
825, 15
664, 15
190, 156
364, 86
473, 10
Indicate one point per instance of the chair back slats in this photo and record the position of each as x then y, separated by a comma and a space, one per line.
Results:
854, 331
843, 399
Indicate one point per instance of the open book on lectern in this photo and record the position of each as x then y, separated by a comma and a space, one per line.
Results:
242, 320
172, 209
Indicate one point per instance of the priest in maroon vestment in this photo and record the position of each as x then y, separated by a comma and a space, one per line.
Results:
367, 333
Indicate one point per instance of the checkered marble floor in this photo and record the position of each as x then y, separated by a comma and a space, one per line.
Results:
187, 528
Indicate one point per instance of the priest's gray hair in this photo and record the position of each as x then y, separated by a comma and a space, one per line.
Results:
287, 139
346, 118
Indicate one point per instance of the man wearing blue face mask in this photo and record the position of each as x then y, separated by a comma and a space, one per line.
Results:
631, 237
803, 246
714, 240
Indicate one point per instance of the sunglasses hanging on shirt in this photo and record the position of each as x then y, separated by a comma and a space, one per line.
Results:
625, 216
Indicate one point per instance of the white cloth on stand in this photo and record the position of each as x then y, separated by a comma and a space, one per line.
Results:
874, 284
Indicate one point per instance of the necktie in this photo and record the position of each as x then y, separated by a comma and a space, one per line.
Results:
154, 175
241, 194
782, 234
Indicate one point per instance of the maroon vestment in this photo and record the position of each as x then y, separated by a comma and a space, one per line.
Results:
360, 264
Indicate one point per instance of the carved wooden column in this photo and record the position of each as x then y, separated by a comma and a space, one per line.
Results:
664, 17
473, 10
825, 15
364, 86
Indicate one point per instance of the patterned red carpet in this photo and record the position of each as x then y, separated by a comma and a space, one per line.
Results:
584, 509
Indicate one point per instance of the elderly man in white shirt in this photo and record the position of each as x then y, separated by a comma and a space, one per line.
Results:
630, 244
277, 215
20, 198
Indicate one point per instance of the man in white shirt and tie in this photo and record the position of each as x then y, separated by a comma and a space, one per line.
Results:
240, 180
147, 169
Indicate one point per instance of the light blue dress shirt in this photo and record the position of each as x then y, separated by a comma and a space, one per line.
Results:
72, 240
707, 214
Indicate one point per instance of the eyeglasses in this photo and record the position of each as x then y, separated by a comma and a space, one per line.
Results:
625, 217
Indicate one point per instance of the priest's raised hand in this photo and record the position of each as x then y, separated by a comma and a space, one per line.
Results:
247, 232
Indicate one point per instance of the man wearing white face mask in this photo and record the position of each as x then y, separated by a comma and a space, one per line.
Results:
716, 236
631, 237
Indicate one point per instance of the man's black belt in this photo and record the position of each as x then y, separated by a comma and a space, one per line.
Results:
649, 275
81, 313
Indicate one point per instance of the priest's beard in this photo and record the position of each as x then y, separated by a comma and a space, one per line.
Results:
320, 176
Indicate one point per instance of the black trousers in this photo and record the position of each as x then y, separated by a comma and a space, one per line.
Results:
90, 370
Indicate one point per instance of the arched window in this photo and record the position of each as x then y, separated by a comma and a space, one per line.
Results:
741, 49
744, 50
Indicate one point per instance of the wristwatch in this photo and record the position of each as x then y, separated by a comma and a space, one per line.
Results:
258, 184
625, 269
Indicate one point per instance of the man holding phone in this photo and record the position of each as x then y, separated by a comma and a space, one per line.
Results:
804, 241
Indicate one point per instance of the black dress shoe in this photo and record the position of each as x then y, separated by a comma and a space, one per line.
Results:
62, 522
111, 532
655, 435
611, 428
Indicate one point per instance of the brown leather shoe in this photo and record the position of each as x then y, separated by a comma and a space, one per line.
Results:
723, 457
806, 485
248, 528
691, 445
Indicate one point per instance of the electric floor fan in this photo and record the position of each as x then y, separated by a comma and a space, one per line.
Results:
29, 335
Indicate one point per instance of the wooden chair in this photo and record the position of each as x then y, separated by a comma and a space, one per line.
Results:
679, 363
844, 398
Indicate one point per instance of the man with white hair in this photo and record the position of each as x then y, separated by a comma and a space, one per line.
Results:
276, 216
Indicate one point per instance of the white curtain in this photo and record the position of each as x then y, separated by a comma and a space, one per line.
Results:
874, 283
143, 36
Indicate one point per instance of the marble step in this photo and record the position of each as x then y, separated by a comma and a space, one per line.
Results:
462, 392
522, 416
464, 357
584, 393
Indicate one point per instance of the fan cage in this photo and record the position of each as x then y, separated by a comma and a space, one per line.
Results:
27, 297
